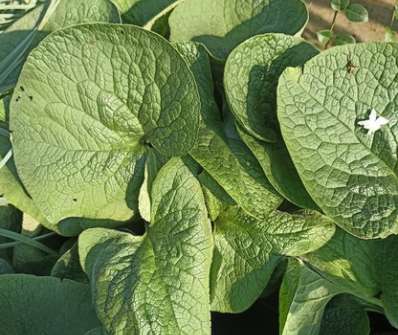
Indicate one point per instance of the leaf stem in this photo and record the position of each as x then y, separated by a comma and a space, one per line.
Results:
14, 244
336, 13
27, 240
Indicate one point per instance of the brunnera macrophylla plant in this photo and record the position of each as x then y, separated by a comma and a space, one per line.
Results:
159, 163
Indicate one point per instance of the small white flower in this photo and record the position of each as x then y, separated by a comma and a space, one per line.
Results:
374, 123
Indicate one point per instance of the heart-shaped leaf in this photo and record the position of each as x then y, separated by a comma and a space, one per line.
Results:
351, 173
84, 118
159, 282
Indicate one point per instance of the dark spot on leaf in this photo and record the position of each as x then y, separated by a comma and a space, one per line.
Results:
18, 98
74, 200
350, 67
148, 144
30, 98
22, 88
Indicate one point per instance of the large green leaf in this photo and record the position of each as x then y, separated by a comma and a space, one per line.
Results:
91, 101
24, 34
251, 77
223, 24
349, 172
158, 283
247, 252
32, 305
366, 269
312, 305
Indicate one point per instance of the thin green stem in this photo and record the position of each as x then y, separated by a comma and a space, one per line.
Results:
14, 244
393, 16
336, 13
26, 240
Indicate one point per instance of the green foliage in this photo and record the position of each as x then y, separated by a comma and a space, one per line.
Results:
356, 13
353, 12
54, 306
192, 159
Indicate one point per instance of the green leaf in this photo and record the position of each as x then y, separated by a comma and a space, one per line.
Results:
251, 78
339, 5
350, 174
345, 316
152, 166
222, 25
390, 35
10, 220
324, 36
11, 187
313, 305
248, 250
68, 266
362, 268
279, 169
80, 137
227, 161
230, 163
5, 268
159, 282
342, 39
31, 254
25, 34
32, 305
356, 13
160, 22
199, 62
96, 331
140, 12
215, 197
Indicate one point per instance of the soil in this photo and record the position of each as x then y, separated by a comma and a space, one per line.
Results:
380, 14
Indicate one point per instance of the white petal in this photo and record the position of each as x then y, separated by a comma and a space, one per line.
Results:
373, 115
382, 121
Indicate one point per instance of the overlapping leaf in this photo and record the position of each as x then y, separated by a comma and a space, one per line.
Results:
248, 250
350, 173
223, 24
313, 305
251, 77
91, 101
159, 282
